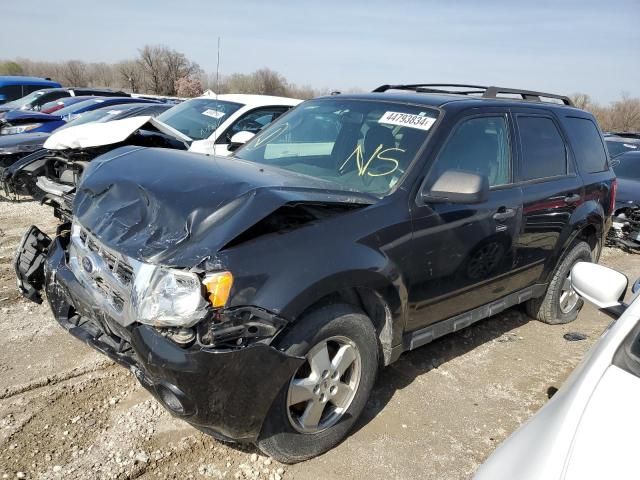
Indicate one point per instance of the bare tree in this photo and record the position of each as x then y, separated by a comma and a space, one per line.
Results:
101, 74
75, 73
581, 100
270, 82
131, 75
156, 69
177, 66
625, 114
152, 62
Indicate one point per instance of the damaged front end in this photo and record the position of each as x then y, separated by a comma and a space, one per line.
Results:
213, 367
143, 273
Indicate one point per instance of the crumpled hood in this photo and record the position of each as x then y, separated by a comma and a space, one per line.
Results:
21, 116
178, 209
98, 134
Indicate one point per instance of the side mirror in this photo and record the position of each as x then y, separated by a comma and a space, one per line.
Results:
239, 139
457, 186
601, 286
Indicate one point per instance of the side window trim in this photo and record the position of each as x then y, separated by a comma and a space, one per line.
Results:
222, 138
505, 114
602, 142
568, 154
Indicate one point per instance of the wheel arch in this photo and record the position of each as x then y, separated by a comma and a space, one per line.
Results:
383, 301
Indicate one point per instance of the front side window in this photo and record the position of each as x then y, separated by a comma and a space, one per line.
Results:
478, 145
587, 144
253, 122
363, 146
200, 117
544, 154
26, 100
48, 97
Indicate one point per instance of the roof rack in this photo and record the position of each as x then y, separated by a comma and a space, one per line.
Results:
482, 91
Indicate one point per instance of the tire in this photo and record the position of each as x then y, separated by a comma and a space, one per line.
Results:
548, 308
282, 437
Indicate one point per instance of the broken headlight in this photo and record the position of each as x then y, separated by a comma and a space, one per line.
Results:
165, 297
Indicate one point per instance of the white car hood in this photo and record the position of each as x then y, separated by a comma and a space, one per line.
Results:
107, 133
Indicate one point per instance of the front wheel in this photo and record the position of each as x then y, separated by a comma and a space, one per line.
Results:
316, 409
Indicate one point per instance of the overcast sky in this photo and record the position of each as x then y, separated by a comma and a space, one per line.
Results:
562, 46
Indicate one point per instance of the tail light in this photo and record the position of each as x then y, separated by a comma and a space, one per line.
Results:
612, 196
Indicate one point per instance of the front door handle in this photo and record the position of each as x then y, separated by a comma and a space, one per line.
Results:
503, 213
571, 199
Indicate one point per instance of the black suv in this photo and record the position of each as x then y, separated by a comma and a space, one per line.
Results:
255, 296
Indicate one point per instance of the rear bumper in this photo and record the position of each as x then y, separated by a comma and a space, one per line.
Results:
226, 393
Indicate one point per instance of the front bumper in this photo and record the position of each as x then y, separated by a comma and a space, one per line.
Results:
226, 393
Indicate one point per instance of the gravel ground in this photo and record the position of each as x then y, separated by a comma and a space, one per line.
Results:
68, 412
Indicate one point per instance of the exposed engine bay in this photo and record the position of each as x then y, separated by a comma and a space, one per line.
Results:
52, 175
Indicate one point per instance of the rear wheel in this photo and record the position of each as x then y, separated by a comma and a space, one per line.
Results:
316, 409
561, 304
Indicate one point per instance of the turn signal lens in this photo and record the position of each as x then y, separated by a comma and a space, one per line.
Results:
218, 287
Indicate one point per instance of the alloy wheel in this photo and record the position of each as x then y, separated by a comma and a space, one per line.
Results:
323, 388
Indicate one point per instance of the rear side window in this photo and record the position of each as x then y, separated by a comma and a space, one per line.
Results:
587, 144
544, 154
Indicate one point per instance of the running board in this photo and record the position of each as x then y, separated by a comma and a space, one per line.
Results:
428, 334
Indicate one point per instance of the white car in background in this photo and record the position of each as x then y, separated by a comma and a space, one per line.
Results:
210, 124
206, 124
589, 429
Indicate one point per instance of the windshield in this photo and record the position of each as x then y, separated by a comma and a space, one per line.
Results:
71, 109
616, 147
200, 117
100, 115
21, 102
364, 146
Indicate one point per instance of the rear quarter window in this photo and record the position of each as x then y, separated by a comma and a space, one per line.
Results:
587, 144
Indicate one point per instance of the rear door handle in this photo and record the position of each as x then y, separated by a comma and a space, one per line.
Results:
571, 199
503, 213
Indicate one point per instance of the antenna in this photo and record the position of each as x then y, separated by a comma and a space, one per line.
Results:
218, 71
217, 89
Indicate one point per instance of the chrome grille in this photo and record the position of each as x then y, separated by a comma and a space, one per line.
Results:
106, 275
117, 264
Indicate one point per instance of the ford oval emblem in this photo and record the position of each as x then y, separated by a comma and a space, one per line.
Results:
87, 264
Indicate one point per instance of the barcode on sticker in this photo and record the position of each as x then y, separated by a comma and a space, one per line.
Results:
420, 122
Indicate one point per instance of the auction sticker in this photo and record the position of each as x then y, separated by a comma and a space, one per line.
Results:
421, 122
217, 114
